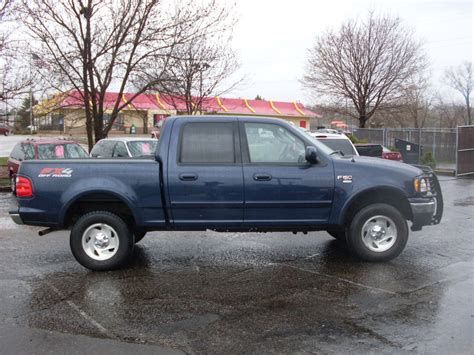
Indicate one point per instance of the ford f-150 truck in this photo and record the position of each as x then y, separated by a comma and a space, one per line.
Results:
227, 174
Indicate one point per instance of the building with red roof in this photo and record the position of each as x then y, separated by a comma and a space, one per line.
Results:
66, 112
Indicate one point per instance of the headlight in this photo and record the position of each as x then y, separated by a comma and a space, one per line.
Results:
421, 185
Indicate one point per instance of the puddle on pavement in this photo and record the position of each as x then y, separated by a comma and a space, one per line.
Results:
468, 201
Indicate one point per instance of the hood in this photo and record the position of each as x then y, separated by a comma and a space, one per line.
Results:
380, 164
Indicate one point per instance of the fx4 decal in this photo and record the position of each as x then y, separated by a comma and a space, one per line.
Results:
56, 172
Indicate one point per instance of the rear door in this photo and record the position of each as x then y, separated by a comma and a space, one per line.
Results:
281, 187
205, 178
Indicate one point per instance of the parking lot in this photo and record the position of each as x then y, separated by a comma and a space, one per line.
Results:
207, 292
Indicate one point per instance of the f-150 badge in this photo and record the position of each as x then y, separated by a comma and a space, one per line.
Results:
346, 179
55, 172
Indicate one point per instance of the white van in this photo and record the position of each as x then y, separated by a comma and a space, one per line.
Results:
336, 141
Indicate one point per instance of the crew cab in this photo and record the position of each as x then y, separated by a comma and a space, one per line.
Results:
227, 174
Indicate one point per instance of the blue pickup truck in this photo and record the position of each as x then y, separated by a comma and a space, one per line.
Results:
227, 174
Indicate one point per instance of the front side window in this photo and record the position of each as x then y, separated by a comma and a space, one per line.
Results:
271, 143
207, 143
29, 152
74, 151
120, 150
103, 149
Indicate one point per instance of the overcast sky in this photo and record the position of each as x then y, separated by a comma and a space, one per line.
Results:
272, 38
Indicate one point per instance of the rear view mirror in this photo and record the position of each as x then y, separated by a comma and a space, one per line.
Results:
311, 155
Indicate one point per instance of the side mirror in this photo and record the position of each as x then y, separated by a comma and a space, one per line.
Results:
311, 155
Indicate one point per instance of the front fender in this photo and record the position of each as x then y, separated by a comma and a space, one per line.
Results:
371, 192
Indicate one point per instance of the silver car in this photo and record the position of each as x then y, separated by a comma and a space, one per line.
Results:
124, 148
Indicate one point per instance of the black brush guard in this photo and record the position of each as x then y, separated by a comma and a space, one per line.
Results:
435, 192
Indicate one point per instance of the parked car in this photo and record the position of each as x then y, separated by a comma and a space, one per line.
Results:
378, 151
216, 172
42, 149
4, 129
127, 147
337, 142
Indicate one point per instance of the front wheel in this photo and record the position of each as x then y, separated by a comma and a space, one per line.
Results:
101, 240
339, 235
378, 232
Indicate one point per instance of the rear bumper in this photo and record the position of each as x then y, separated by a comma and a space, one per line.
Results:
15, 215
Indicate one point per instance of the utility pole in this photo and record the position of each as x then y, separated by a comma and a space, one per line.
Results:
31, 93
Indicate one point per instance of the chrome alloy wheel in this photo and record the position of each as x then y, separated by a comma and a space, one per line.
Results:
379, 233
100, 241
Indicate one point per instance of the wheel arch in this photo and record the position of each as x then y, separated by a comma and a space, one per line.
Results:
102, 200
382, 194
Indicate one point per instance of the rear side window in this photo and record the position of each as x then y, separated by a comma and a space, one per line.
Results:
207, 143
17, 152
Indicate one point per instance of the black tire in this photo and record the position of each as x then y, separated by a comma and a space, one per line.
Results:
139, 236
382, 214
339, 235
124, 235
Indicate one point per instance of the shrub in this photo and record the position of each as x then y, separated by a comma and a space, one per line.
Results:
427, 159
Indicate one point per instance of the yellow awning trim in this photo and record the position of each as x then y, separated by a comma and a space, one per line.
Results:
274, 108
298, 109
248, 106
126, 102
221, 105
158, 100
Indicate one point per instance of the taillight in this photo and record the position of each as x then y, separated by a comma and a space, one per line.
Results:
24, 188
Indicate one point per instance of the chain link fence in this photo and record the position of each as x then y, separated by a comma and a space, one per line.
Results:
440, 142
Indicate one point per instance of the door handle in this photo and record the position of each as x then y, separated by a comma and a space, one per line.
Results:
188, 177
262, 177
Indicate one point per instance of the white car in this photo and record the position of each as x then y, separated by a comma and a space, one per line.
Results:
337, 142
127, 147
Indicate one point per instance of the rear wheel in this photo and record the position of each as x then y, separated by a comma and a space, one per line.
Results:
101, 240
378, 232
139, 236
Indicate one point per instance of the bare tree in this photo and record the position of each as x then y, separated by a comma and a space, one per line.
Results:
460, 79
15, 79
199, 68
91, 46
364, 62
414, 105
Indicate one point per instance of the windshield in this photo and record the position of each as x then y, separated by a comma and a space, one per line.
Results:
61, 151
141, 148
342, 145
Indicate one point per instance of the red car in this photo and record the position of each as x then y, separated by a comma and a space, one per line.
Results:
378, 151
42, 149
4, 129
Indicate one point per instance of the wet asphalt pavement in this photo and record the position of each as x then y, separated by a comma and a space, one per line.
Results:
207, 292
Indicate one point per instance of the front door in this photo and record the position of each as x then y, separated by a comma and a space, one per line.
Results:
281, 188
205, 178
